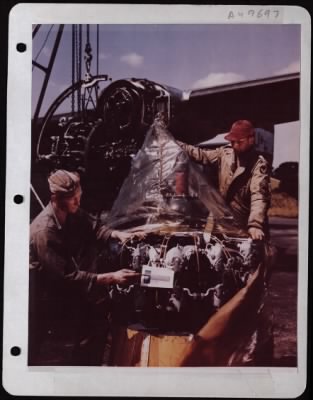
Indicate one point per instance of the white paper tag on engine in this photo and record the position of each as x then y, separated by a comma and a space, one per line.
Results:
157, 277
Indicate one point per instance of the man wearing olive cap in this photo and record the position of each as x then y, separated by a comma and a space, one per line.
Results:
73, 300
243, 176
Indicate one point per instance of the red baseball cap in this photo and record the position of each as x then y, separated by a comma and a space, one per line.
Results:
240, 130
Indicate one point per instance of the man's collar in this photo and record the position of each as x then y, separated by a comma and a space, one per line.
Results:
59, 226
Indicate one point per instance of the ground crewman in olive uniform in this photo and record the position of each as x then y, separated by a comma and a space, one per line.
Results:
68, 297
243, 177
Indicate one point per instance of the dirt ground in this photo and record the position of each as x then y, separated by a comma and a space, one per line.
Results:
283, 301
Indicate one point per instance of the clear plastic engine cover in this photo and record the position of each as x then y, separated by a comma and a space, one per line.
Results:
166, 191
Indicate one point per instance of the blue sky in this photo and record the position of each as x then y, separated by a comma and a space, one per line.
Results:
182, 56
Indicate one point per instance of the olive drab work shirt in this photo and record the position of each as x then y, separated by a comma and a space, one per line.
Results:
65, 255
57, 249
63, 290
243, 182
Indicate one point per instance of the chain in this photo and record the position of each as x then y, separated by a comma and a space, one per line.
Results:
77, 66
88, 56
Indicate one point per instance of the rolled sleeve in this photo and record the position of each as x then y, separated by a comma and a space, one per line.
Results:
200, 155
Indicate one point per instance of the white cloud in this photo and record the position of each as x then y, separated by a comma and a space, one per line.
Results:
132, 59
293, 67
216, 79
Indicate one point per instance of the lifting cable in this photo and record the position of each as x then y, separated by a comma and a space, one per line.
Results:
79, 66
76, 64
97, 87
97, 49
88, 54
81, 98
73, 66
88, 76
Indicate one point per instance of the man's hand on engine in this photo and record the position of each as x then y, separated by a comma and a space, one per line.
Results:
125, 276
256, 233
122, 277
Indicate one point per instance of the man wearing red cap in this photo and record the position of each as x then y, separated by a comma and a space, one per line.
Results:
243, 176
68, 297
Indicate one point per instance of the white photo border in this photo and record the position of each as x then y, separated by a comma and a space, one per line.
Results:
18, 378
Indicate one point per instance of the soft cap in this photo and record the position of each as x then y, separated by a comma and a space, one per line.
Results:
62, 181
240, 130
